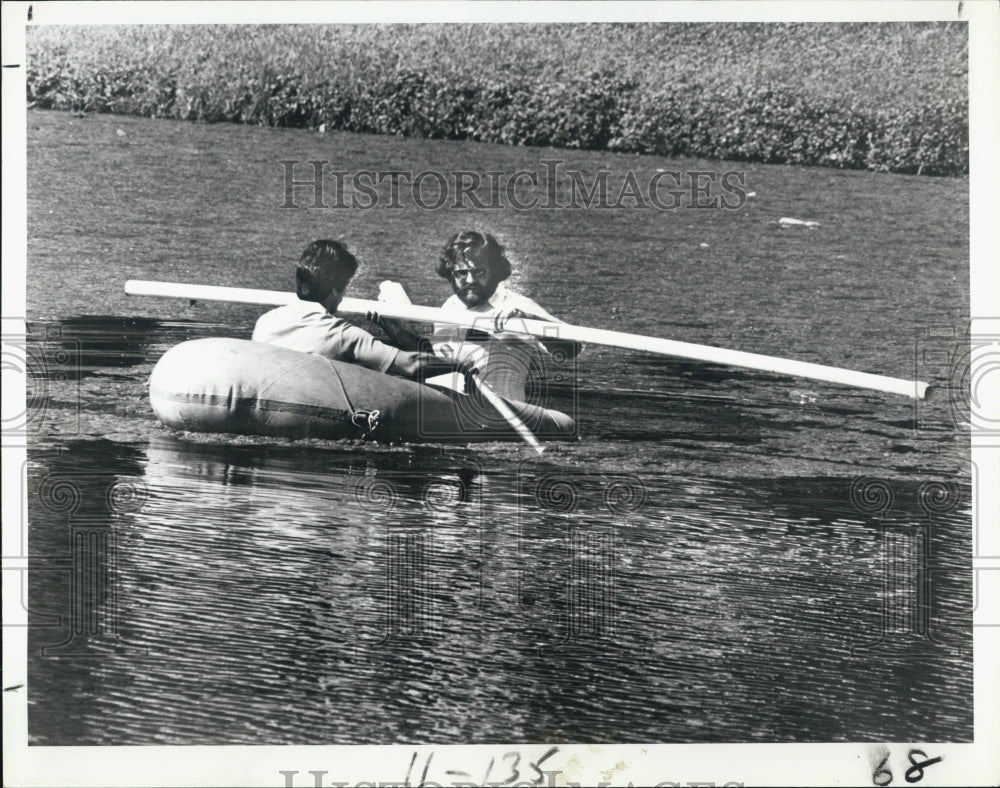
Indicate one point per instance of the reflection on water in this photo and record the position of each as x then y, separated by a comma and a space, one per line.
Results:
245, 601
85, 345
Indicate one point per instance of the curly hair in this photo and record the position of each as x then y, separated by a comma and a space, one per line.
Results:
324, 265
470, 246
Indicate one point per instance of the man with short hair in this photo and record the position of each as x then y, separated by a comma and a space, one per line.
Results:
310, 325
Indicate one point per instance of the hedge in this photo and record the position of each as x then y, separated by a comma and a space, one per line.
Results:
505, 84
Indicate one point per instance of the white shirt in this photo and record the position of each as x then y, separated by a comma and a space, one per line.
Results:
505, 358
307, 327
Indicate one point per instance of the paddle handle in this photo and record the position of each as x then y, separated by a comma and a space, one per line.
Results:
504, 410
545, 330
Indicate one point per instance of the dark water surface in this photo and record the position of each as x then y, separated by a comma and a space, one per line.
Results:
723, 556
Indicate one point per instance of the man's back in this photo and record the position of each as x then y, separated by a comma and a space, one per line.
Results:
309, 328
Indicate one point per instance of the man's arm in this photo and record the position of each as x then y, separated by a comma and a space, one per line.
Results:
529, 310
419, 365
400, 334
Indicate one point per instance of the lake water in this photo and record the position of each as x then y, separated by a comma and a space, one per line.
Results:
724, 555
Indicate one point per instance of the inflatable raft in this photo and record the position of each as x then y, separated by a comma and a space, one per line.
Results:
250, 388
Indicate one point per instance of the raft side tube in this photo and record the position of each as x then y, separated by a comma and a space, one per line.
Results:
251, 388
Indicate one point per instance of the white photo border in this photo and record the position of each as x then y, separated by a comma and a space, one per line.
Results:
750, 764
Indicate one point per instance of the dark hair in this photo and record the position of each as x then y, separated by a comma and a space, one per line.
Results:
324, 265
470, 246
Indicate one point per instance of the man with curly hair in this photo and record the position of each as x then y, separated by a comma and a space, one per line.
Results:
476, 266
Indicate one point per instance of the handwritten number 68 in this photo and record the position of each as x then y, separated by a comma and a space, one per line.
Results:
883, 776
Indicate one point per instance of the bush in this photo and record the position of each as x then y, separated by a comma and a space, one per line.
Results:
767, 93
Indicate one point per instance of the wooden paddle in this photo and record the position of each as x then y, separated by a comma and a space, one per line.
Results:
546, 330
504, 410
447, 382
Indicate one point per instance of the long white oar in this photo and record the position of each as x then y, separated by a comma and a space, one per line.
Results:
546, 330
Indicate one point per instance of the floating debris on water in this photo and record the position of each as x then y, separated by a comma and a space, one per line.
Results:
786, 221
803, 397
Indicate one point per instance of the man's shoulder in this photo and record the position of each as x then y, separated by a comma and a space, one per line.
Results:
308, 311
299, 315
504, 295
293, 308
518, 300
513, 300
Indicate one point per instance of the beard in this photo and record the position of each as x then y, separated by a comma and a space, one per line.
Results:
472, 295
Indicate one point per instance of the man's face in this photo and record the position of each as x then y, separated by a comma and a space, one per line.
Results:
473, 282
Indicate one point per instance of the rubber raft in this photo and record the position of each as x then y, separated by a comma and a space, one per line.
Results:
249, 388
